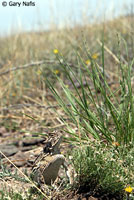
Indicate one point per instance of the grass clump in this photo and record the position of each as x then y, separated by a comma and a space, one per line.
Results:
100, 111
101, 114
103, 170
6, 195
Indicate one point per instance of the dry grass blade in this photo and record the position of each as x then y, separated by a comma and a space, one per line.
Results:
109, 51
25, 176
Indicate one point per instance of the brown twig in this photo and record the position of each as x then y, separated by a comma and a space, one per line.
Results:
20, 106
32, 64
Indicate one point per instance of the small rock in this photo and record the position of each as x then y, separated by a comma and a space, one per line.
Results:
32, 141
19, 159
2, 130
8, 150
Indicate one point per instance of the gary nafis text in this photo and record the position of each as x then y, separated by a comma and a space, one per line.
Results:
23, 3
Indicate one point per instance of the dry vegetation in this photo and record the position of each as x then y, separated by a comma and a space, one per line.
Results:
27, 105
25, 86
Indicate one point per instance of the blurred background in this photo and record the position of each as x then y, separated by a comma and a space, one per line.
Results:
48, 14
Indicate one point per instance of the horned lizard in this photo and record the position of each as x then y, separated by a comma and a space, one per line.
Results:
48, 163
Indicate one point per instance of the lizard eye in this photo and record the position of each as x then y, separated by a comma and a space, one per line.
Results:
47, 147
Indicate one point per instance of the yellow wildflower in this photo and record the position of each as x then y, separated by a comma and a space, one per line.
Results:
56, 71
67, 86
128, 189
124, 31
39, 72
116, 144
95, 56
88, 62
13, 94
55, 51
